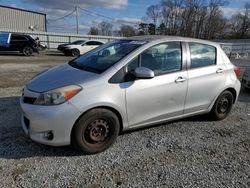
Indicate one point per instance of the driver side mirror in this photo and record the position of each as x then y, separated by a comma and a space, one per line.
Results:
143, 73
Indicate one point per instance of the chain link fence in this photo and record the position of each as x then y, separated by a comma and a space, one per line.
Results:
52, 40
235, 49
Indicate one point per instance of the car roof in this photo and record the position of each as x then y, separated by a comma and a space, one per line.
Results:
94, 41
19, 34
151, 38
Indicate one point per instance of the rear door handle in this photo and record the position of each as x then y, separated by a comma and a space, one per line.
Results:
219, 70
180, 79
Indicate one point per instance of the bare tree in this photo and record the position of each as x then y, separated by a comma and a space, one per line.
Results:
171, 13
117, 33
143, 29
192, 15
195, 18
127, 31
241, 22
154, 14
162, 29
105, 28
93, 31
214, 19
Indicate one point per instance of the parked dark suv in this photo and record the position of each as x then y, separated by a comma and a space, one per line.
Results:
24, 44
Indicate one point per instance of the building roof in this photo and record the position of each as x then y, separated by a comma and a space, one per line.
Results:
22, 10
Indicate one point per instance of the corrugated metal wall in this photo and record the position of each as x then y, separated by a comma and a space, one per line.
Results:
15, 19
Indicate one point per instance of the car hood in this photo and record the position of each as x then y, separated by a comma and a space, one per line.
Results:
59, 76
62, 45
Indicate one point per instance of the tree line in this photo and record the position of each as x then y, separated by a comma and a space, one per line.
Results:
189, 18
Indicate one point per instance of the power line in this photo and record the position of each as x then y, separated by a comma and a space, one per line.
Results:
56, 19
103, 16
89, 12
95, 13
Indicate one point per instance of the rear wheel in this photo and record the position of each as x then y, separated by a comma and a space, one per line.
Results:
75, 52
222, 106
95, 131
27, 51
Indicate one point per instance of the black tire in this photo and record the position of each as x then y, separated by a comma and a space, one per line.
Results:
222, 106
75, 52
95, 131
27, 51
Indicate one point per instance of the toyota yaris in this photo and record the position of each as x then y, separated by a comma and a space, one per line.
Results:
127, 84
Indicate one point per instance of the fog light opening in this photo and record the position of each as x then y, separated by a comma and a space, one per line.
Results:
48, 135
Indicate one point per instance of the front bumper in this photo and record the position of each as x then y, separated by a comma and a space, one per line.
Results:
67, 51
61, 49
38, 120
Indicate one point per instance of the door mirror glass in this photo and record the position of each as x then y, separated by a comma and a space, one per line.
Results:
143, 73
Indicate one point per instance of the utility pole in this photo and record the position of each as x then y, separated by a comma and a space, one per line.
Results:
77, 21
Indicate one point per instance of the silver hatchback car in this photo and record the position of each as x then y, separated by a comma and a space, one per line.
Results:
127, 84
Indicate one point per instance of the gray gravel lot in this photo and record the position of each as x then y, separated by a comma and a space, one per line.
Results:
193, 152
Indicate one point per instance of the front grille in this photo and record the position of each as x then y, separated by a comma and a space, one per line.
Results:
26, 122
29, 100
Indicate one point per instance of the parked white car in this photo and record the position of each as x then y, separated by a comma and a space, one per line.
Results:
82, 48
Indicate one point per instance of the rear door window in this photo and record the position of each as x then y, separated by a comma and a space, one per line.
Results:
202, 55
18, 38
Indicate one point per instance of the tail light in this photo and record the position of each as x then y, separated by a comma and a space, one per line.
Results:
236, 71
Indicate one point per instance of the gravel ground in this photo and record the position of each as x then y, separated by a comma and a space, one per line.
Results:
193, 152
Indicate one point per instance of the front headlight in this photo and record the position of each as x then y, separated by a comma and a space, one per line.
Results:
58, 96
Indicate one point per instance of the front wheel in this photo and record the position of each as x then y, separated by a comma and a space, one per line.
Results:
95, 131
222, 106
75, 52
27, 51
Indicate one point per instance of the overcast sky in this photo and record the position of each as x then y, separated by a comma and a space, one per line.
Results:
121, 10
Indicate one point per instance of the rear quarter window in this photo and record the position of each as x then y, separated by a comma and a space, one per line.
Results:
202, 55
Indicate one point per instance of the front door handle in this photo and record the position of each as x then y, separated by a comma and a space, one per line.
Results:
180, 79
219, 70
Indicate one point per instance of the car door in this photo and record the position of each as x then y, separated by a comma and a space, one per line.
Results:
206, 76
87, 47
17, 42
152, 100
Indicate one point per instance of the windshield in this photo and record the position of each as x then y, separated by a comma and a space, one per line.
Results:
78, 42
105, 56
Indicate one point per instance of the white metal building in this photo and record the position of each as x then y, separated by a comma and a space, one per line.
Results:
16, 19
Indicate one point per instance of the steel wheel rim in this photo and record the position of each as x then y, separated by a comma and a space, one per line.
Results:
223, 105
97, 132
